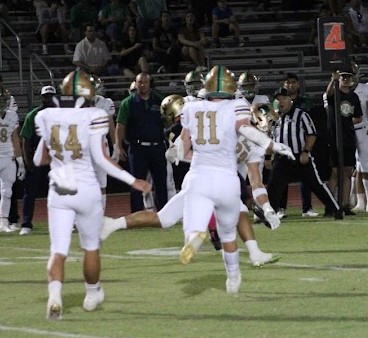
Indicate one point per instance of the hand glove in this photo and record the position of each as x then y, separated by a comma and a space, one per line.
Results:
64, 180
115, 153
21, 172
171, 153
272, 218
283, 149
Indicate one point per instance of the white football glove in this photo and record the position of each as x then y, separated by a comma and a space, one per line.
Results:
171, 153
115, 153
21, 172
271, 215
64, 180
283, 149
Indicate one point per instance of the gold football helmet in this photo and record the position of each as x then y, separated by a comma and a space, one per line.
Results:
263, 115
248, 84
193, 82
170, 108
79, 83
220, 83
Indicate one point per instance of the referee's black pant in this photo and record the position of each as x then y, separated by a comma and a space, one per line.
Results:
284, 171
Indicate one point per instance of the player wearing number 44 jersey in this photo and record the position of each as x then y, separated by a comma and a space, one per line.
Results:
72, 139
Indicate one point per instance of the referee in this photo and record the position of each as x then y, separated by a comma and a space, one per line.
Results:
296, 129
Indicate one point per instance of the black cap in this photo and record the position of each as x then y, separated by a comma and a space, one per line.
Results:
281, 91
346, 70
291, 76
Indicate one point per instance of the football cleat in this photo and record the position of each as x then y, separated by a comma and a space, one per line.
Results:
191, 248
54, 309
262, 258
93, 299
233, 284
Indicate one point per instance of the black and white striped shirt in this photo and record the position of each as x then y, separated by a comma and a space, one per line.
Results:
293, 128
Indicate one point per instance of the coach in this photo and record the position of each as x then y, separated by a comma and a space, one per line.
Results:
296, 129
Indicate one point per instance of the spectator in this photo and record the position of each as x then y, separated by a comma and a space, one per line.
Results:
132, 54
224, 23
115, 19
351, 113
147, 13
203, 11
357, 16
10, 150
166, 45
81, 14
296, 129
34, 175
52, 21
193, 42
91, 54
139, 123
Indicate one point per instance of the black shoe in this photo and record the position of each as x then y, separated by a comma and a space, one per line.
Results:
260, 214
348, 211
328, 212
215, 239
338, 214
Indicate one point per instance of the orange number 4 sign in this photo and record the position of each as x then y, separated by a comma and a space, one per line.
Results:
334, 39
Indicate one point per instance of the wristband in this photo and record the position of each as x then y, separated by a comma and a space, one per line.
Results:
267, 157
20, 160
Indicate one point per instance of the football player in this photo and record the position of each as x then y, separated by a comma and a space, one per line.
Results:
10, 151
193, 82
252, 165
72, 140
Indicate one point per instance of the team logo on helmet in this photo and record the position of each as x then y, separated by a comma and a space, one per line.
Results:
263, 115
248, 84
220, 83
79, 83
193, 82
170, 108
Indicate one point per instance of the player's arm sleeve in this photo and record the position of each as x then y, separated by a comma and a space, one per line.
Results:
99, 156
253, 134
41, 155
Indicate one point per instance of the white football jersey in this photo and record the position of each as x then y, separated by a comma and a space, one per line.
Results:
104, 103
362, 91
190, 98
12, 104
212, 128
66, 132
8, 124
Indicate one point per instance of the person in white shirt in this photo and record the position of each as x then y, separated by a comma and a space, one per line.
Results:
91, 54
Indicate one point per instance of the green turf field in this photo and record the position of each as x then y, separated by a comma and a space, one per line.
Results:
318, 289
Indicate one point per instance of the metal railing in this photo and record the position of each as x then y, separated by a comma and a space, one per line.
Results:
18, 55
33, 77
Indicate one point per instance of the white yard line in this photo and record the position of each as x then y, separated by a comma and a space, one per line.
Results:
45, 333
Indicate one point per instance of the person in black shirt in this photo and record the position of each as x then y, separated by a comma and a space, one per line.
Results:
351, 113
295, 129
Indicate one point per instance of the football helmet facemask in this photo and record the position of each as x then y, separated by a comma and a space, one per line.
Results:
170, 108
193, 82
220, 83
248, 84
79, 83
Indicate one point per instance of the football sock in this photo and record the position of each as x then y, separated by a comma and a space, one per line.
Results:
252, 247
231, 260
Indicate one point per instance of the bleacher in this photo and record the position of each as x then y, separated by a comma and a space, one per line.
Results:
276, 42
